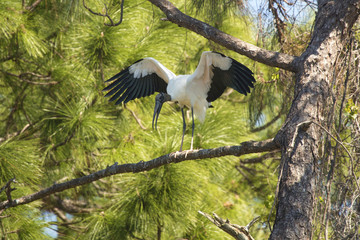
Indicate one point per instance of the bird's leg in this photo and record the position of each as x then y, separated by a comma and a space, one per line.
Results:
184, 128
193, 128
192, 133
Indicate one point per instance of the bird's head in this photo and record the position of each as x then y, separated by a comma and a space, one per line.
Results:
159, 100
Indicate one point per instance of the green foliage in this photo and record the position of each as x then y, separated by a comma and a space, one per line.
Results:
56, 125
215, 11
351, 110
22, 223
20, 159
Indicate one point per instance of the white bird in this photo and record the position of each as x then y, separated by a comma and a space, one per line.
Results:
212, 76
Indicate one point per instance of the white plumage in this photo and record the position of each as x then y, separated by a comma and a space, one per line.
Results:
213, 74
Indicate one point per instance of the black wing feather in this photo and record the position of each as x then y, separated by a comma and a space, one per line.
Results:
238, 77
242, 67
249, 79
242, 84
125, 87
217, 87
147, 88
133, 90
116, 76
117, 94
137, 93
116, 82
116, 88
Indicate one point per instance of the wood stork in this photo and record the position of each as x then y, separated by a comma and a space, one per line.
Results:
213, 74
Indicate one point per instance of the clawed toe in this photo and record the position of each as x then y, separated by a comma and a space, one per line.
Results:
176, 153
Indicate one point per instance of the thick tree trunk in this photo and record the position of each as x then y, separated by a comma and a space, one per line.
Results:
299, 137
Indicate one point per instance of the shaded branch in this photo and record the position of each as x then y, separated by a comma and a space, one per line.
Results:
72, 206
234, 230
270, 58
243, 148
60, 214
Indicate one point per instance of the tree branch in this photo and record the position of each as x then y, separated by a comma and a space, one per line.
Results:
234, 230
270, 58
243, 148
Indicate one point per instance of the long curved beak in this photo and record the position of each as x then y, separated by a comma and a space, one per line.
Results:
157, 109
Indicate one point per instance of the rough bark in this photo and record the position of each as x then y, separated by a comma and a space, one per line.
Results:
299, 139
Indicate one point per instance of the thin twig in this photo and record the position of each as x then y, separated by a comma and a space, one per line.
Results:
250, 224
346, 150
67, 139
39, 83
136, 118
112, 24
259, 159
266, 125
306, 124
7, 185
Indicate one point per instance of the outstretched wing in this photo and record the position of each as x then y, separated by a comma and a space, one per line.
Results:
220, 72
141, 79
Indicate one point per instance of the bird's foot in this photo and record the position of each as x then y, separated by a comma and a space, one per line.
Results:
187, 151
176, 153
181, 151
